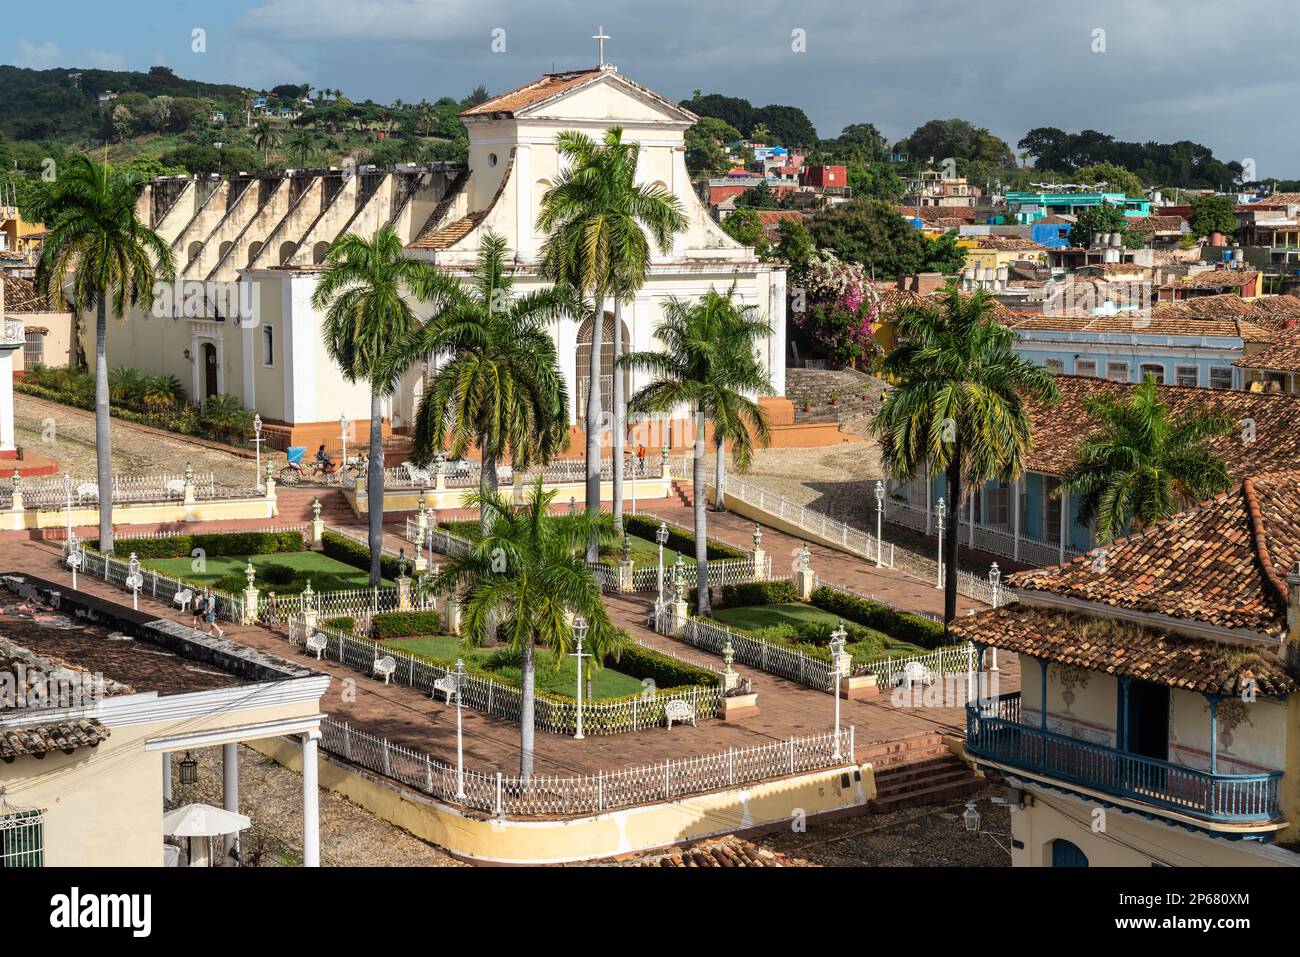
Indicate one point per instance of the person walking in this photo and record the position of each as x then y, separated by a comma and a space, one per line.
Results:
212, 618
198, 607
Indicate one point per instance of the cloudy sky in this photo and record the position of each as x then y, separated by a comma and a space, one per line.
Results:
1222, 74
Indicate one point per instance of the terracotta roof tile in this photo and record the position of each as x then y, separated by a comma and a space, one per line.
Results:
1128, 650
1222, 563
1282, 356
65, 736
547, 86
447, 236
21, 296
1058, 428
1212, 279
719, 852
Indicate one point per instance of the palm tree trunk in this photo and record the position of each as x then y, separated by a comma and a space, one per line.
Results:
698, 493
719, 475
617, 384
103, 437
528, 667
594, 421
954, 535
375, 490
487, 486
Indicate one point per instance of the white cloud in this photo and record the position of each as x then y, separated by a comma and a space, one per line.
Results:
106, 61
402, 20
44, 56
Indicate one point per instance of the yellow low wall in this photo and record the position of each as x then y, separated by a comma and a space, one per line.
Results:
784, 802
408, 500
146, 513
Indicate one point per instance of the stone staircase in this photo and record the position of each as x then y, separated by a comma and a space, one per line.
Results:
294, 505
684, 491
917, 770
818, 387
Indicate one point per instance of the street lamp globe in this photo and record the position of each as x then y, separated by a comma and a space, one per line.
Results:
579, 628
971, 817
880, 491
661, 533
257, 424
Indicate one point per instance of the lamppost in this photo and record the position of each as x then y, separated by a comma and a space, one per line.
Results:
76, 557
940, 509
134, 580
67, 494
995, 585
838, 663
579, 633
460, 751
257, 444
343, 434
880, 514
661, 538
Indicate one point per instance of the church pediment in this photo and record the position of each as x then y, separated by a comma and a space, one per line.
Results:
604, 95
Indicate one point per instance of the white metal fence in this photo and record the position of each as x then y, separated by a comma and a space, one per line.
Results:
846, 537
511, 796
769, 656
1031, 551
551, 714
60, 491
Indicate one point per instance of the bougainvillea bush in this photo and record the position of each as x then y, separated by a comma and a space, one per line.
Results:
839, 310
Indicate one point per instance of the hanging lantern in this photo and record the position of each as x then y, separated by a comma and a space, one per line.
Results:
189, 769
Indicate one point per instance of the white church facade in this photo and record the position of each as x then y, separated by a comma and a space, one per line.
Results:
250, 247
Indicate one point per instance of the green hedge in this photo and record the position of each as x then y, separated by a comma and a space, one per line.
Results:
214, 545
665, 671
897, 624
679, 540
405, 624
343, 623
778, 592
354, 553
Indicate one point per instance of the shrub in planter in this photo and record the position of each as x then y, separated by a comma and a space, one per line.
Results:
679, 540
354, 553
405, 624
213, 545
343, 623
777, 592
281, 579
897, 624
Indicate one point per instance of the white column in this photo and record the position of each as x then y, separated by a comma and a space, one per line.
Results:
776, 342
970, 512
523, 177
310, 802
6, 399
929, 495
196, 393
221, 364
681, 187
230, 794
167, 775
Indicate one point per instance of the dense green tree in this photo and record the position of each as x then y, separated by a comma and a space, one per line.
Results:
704, 145
1212, 214
1092, 220
1116, 178
870, 232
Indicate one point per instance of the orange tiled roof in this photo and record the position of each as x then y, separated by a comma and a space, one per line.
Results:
1058, 428
1213, 279
719, 852
1155, 323
447, 236
1278, 199
21, 296
65, 736
1222, 563
1010, 243
1282, 356
1128, 650
541, 89
1269, 312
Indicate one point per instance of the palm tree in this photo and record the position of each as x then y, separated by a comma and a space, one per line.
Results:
501, 388
365, 292
596, 217
527, 574
300, 145
708, 365
96, 244
1142, 464
265, 137
959, 403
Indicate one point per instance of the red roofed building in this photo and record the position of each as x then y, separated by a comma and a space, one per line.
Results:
824, 177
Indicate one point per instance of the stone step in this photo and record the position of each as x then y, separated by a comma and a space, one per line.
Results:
895, 746
936, 794
888, 785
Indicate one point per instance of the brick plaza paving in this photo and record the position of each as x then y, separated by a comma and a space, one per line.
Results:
411, 718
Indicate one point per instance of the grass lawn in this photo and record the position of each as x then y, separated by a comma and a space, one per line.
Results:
308, 562
755, 617
646, 553
606, 683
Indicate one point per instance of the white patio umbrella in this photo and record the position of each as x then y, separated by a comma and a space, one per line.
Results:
205, 821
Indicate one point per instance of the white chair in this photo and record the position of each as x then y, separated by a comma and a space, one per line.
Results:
182, 599
317, 642
914, 673
681, 712
447, 685
384, 668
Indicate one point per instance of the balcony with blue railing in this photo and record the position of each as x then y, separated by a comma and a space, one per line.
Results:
995, 733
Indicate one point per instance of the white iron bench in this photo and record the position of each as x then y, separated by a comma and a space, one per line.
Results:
914, 673
87, 490
385, 667
317, 642
447, 684
681, 712
417, 475
176, 487
182, 599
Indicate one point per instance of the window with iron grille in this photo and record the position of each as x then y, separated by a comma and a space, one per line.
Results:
1054, 365
1117, 371
1220, 377
22, 839
1155, 370
1188, 375
33, 348
1086, 367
